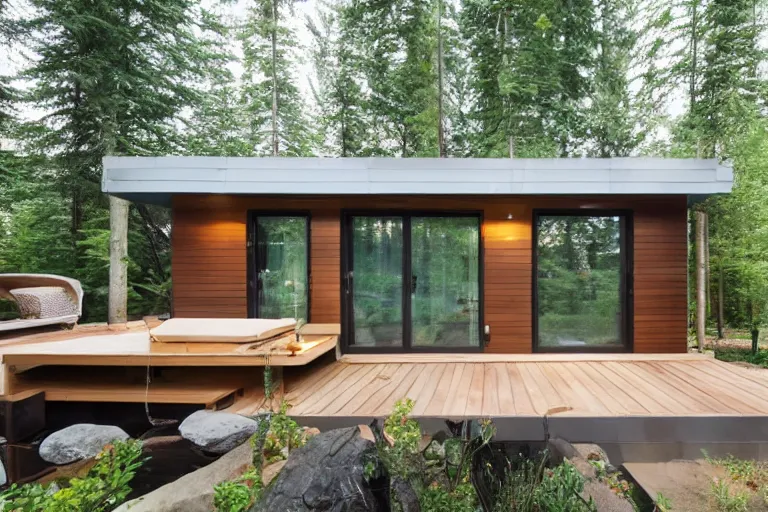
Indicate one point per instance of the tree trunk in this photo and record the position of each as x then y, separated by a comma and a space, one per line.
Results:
694, 54
118, 261
707, 262
701, 276
755, 336
275, 142
440, 125
720, 300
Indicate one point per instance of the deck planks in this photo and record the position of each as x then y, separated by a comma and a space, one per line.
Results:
593, 388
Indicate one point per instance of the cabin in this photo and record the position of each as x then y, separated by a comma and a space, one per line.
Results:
549, 295
503, 256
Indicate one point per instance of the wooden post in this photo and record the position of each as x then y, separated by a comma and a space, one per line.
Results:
118, 261
701, 277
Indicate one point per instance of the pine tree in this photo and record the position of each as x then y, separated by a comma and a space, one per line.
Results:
398, 60
615, 118
278, 123
337, 92
533, 65
113, 78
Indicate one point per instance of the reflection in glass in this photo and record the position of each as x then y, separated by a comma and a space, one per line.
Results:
445, 281
282, 267
377, 252
579, 281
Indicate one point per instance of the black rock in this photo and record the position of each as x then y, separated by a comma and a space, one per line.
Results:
402, 493
328, 474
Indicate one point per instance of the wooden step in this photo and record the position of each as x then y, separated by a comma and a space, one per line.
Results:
212, 396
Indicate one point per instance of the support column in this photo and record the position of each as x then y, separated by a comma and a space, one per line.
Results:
118, 261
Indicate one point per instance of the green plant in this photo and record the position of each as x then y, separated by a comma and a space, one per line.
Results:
105, 486
436, 498
727, 501
663, 504
238, 495
283, 435
560, 490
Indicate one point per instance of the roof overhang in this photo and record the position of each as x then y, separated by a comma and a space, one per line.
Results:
157, 179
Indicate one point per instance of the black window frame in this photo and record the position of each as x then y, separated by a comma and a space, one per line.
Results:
626, 293
252, 292
347, 316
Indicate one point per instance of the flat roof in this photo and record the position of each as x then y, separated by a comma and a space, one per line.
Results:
156, 179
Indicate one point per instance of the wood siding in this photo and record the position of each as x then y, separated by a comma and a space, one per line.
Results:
209, 258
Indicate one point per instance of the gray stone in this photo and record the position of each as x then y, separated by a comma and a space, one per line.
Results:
193, 492
217, 432
79, 442
328, 474
435, 451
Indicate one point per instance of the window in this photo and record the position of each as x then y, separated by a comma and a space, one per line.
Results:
279, 266
412, 282
581, 289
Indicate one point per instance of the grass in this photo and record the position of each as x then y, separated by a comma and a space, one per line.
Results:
743, 355
744, 488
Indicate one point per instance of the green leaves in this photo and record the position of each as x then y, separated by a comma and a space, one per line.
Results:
106, 485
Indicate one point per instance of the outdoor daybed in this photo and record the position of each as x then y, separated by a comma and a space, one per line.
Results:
43, 299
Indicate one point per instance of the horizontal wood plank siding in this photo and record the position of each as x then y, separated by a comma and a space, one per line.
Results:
209, 258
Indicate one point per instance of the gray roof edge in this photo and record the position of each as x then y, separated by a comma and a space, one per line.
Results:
168, 175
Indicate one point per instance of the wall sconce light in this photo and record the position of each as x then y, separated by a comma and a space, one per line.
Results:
510, 216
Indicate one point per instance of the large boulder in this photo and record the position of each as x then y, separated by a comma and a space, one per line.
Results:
327, 474
217, 432
193, 492
79, 442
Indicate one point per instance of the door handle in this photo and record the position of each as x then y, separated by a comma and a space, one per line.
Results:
413, 283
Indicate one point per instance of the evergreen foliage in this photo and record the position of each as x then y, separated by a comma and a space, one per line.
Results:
550, 78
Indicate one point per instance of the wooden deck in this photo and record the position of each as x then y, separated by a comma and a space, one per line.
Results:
594, 386
586, 398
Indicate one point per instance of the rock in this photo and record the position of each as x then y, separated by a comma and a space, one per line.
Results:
327, 474
435, 451
193, 492
561, 450
78, 442
308, 432
270, 472
424, 442
403, 494
217, 432
605, 499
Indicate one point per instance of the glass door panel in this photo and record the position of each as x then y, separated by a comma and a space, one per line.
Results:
281, 266
445, 260
377, 281
580, 283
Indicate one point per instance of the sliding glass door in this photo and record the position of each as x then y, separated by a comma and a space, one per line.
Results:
279, 266
412, 282
581, 288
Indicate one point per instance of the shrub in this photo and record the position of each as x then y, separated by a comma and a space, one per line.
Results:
239, 494
104, 488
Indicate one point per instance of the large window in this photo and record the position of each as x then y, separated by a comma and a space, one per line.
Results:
412, 282
581, 288
279, 266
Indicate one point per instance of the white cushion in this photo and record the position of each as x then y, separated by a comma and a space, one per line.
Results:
221, 330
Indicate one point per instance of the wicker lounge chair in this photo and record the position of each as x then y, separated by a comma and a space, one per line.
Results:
43, 299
